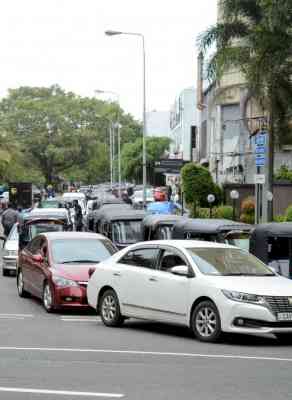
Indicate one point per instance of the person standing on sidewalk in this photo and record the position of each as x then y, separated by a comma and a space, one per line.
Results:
9, 218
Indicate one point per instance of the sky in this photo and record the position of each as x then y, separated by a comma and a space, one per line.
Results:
45, 42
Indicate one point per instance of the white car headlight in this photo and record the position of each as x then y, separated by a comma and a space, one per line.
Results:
244, 297
63, 282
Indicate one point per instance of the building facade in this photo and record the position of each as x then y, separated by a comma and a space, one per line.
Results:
183, 125
229, 116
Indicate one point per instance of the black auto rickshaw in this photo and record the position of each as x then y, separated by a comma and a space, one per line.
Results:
106, 207
158, 226
213, 230
93, 217
31, 225
122, 225
272, 244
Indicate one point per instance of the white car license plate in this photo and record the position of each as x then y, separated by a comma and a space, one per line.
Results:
284, 316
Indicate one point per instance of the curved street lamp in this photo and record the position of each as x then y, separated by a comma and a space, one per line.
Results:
116, 33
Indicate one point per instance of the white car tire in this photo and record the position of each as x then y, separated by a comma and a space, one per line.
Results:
110, 309
206, 322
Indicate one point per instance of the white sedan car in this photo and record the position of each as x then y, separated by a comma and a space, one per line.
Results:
210, 287
10, 251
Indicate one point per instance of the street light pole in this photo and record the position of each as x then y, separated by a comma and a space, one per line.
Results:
144, 161
118, 126
111, 153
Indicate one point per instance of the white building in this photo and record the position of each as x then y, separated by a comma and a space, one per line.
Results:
183, 125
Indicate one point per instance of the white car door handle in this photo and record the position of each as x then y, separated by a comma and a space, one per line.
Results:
153, 279
117, 274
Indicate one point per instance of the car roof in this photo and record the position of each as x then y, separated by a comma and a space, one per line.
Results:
185, 244
73, 235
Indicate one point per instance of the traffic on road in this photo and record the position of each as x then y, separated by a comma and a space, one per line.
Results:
188, 298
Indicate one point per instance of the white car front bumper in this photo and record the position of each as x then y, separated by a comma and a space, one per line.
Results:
251, 318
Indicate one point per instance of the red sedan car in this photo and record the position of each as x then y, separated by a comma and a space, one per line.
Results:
56, 266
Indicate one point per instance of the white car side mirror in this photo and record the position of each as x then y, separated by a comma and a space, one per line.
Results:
181, 270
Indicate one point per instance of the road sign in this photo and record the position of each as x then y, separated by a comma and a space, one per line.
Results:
259, 179
260, 160
261, 139
260, 150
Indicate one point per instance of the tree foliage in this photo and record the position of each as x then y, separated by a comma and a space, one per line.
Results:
60, 134
284, 173
132, 156
197, 184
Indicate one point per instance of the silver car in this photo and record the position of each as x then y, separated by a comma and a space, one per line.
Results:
10, 252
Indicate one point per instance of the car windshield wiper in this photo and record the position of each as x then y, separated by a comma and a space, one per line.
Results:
246, 274
238, 274
80, 261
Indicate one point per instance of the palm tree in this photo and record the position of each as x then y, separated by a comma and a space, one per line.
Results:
255, 37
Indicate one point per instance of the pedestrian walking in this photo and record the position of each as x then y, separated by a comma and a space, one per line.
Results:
78, 218
9, 218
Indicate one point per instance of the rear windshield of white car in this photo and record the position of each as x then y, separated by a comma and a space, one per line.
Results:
228, 262
66, 251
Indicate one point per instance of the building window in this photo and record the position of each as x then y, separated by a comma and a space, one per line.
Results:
194, 137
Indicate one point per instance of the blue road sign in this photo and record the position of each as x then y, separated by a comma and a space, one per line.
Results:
260, 160
260, 140
260, 150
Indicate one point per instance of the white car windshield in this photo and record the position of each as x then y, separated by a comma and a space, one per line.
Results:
228, 262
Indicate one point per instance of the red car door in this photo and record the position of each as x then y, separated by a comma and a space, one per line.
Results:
26, 263
42, 272
39, 267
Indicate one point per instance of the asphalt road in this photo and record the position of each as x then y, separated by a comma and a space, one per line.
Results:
73, 356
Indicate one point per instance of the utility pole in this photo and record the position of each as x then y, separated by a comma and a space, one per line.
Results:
111, 153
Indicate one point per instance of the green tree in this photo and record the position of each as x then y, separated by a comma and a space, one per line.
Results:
131, 156
197, 184
284, 173
57, 130
255, 37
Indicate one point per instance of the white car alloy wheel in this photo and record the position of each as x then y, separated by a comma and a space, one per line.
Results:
47, 298
110, 309
205, 322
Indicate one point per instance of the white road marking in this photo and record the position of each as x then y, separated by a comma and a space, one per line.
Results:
61, 392
146, 353
88, 318
16, 316
80, 320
